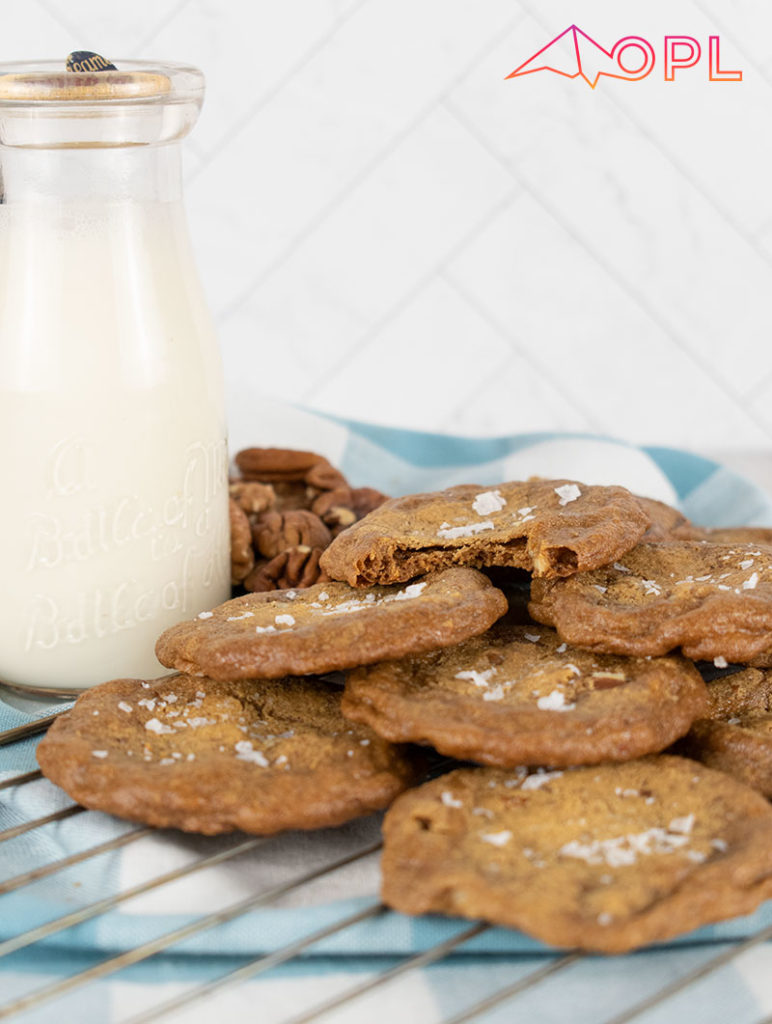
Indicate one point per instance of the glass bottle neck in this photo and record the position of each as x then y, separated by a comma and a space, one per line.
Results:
110, 174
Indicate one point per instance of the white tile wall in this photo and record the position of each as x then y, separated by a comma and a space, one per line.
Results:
389, 230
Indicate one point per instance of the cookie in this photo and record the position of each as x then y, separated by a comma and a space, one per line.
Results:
329, 626
667, 523
736, 734
712, 600
755, 535
549, 527
519, 695
212, 757
608, 858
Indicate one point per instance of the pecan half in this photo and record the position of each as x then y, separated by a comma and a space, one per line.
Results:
291, 496
297, 567
275, 532
242, 555
252, 496
345, 505
276, 464
325, 477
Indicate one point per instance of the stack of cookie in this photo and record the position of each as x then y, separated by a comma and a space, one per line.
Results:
571, 824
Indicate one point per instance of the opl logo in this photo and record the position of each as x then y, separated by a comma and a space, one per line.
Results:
574, 54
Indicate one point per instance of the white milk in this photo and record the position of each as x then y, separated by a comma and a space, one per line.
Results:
113, 517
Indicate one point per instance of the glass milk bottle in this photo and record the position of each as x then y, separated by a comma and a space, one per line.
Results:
114, 522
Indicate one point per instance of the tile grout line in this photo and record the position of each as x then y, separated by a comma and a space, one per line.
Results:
724, 212
316, 47
758, 387
448, 419
751, 61
516, 347
50, 9
361, 175
321, 216
620, 280
366, 339
167, 20
76, 32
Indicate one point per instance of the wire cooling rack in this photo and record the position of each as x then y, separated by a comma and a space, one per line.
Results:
544, 968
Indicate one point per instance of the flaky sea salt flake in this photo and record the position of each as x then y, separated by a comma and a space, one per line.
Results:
496, 838
555, 701
539, 779
448, 532
488, 502
153, 725
449, 800
245, 752
683, 825
567, 493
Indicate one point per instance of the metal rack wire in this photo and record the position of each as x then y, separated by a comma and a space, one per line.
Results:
548, 967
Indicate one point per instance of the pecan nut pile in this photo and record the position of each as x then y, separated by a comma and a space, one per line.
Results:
275, 532
286, 507
296, 567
